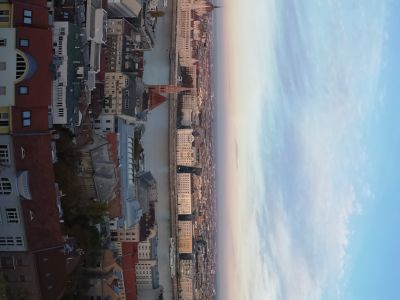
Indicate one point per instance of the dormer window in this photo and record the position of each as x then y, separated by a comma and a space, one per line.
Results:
23, 185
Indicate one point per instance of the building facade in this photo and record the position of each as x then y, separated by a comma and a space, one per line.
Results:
185, 237
185, 283
185, 153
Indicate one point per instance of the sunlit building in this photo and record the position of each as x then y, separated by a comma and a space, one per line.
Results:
185, 154
185, 237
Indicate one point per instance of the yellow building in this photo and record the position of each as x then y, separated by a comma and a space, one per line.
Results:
185, 237
7, 67
6, 14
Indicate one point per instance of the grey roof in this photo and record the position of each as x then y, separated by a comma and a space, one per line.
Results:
146, 189
104, 172
133, 212
132, 96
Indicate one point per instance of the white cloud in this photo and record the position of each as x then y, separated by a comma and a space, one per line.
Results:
299, 133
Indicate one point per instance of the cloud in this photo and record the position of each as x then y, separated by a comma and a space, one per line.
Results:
299, 120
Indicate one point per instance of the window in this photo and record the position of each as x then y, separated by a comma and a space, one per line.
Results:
5, 186
4, 119
11, 241
23, 90
23, 42
27, 16
26, 118
7, 262
4, 154
4, 15
3, 65
19, 241
20, 66
3, 90
12, 215
3, 42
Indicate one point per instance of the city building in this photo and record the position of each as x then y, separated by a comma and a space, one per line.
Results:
146, 189
124, 47
185, 283
13, 187
129, 165
124, 8
147, 268
119, 233
107, 281
66, 82
185, 237
185, 152
35, 276
96, 33
8, 60
184, 183
32, 246
184, 204
123, 97
184, 193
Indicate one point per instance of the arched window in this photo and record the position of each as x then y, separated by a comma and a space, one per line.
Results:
21, 67
5, 186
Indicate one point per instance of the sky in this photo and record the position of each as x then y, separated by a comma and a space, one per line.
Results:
308, 141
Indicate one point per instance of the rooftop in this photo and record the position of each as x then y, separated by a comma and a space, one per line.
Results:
41, 214
129, 261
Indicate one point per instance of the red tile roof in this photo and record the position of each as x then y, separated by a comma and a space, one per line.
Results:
52, 271
41, 215
129, 261
112, 140
155, 99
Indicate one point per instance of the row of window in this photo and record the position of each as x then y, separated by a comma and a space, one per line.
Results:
26, 118
11, 241
10, 262
22, 42
22, 89
27, 14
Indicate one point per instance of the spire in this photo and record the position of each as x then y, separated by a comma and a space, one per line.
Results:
155, 99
